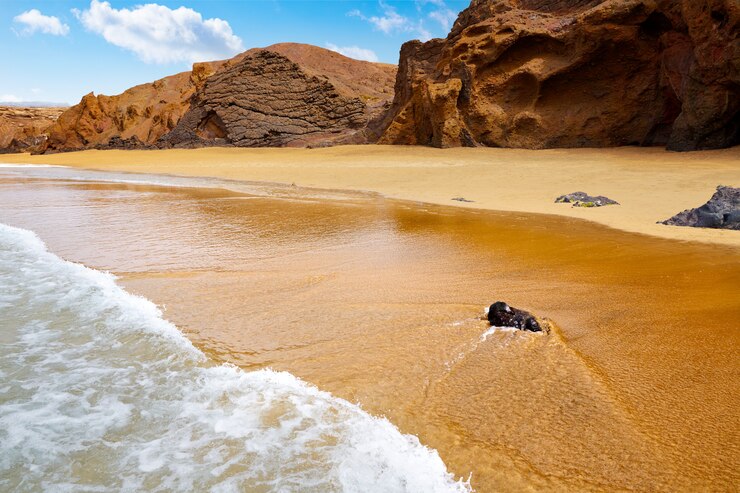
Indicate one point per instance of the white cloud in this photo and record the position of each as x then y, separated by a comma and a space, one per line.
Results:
34, 21
10, 98
158, 34
423, 33
354, 52
444, 16
391, 22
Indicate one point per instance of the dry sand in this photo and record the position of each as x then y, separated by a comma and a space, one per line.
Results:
651, 184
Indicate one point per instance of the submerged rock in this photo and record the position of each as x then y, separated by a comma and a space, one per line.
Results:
722, 211
500, 314
582, 199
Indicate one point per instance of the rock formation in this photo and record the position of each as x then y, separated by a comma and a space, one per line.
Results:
141, 114
574, 73
22, 128
500, 314
721, 212
582, 199
286, 95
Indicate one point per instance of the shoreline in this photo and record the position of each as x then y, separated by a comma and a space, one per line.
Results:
650, 184
346, 294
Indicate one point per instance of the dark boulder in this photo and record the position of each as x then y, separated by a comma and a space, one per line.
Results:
500, 314
582, 199
721, 212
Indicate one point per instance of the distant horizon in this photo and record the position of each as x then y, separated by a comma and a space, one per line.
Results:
34, 104
65, 49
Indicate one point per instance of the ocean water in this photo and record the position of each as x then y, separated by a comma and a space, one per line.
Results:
99, 393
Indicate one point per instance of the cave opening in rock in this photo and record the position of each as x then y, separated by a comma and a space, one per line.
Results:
655, 25
720, 18
211, 127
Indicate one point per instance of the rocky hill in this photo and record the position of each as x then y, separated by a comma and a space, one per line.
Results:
574, 73
511, 73
22, 128
138, 117
285, 94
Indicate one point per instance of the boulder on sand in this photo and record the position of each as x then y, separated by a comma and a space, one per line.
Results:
500, 314
582, 199
722, 211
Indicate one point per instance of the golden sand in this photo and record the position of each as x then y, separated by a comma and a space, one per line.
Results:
651, 184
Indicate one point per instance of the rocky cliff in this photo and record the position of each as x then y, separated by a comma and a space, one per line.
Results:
136, 118
574, 73
23, 128
285, 94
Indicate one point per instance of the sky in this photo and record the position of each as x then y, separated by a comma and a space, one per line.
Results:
60, 50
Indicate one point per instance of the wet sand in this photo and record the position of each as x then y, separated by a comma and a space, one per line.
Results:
379, 302
651, 184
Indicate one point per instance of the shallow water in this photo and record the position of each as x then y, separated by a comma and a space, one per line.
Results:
379, 302
102, 394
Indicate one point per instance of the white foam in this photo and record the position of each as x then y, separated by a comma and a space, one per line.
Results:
100, 393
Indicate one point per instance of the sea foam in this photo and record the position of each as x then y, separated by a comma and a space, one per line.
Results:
99, 393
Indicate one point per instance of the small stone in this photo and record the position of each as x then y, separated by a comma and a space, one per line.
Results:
500, 314
582, 199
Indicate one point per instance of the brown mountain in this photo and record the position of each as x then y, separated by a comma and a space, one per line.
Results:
285, 94
22, 128
139, 116
574, 73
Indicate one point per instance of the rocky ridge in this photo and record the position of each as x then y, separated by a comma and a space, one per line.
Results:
574, 73
23, 128
285, 94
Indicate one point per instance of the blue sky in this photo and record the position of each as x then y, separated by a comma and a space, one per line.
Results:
60, 50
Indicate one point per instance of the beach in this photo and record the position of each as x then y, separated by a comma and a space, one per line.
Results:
379, 301
651, 184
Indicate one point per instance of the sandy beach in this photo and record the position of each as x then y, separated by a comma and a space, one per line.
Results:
650, 184
635, 389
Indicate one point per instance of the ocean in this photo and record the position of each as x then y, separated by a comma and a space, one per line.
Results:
100, 393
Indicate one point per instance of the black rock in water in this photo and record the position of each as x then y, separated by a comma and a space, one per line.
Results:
500, 314
721, 212
582, 199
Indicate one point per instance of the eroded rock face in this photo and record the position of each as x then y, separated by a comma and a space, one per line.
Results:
574, 73
23, 128
268, 100
722, 211
140, 115
286, 94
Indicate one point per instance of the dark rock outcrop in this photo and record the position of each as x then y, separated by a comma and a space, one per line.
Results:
721, 212
501, 314
574, 73
582, 199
